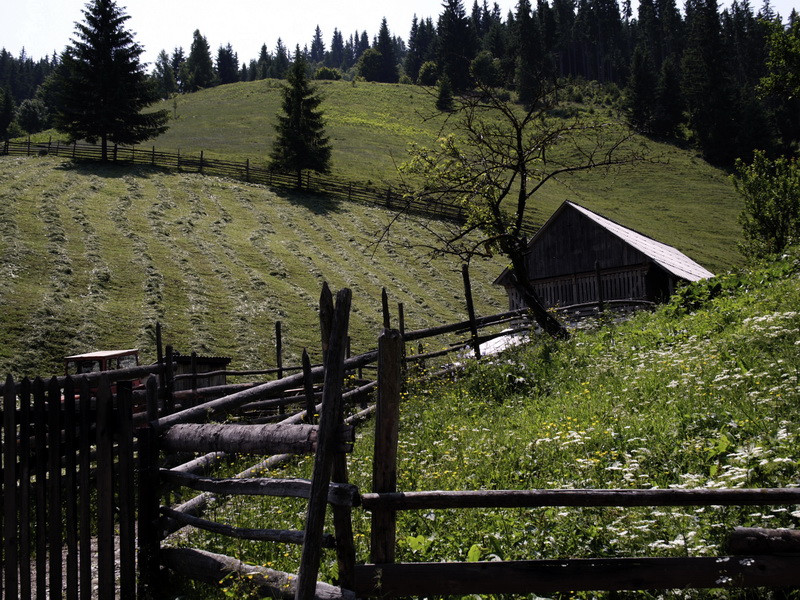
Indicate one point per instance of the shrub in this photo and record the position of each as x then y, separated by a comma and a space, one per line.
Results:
771, 193
428, 73
328, 73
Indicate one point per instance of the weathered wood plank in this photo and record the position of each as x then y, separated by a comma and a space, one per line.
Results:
384, 464
126, 492
339, 494
282, 536
582, 497
25, 489
10, 493
40, 473
550, 576
54, 489
70, 485
756, 540
330, 419
106, 571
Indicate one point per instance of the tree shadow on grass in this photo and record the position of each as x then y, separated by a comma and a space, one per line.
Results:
316, 202
112, 170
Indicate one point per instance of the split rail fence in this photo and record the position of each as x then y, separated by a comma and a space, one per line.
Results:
248, 172
174, 424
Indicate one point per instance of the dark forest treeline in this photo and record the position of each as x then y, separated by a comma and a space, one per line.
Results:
690, 73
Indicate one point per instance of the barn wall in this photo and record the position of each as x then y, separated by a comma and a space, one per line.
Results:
571, 243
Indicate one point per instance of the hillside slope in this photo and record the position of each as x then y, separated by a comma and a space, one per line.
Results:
677, 198
92, 256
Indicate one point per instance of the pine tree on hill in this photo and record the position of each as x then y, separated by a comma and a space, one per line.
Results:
388, 64
199, 66
6, 112
317, 47
101, 85
227, 65
301, 143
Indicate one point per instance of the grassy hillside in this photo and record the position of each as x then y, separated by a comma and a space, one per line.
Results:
92, 256
700, 394
678, 198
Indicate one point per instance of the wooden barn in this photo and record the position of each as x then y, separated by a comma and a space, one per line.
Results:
580, 261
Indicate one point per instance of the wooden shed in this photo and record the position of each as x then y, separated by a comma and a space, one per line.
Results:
204, 364
579, 258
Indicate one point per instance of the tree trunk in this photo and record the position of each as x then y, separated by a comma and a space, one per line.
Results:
519, 273
299, 179
104, 147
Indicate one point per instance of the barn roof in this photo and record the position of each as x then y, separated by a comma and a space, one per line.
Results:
670, 259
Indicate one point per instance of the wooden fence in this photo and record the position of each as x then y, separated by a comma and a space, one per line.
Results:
176, 423
250, 172
68, 461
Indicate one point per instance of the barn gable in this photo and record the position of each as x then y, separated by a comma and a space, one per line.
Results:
578, 257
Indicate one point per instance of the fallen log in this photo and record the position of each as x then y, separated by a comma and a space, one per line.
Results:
213, 568
249, 439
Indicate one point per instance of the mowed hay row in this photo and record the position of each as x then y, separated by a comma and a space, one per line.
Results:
94, 255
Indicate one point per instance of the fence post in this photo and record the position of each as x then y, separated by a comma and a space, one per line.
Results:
126, 497
153, 157
160, 354
70, 481
10, 489
115, 154
325, 318
384, 465
74, 148
599, 284
385, 307
54, 516
194, 377
105, 491
247, 171
85, 495
169, 399
476, 346
279, 348
201, 162
40, 473
330, 419
29, 145
279, 359
25, 499
148, 497
308, 387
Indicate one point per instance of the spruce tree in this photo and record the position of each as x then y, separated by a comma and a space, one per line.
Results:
164, 76
317, 47
301, 142
6, 112
387, 72
641, 90
280, 64
199, 66
457, 45
227, 65
102, 86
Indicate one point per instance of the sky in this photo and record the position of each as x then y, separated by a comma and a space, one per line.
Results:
45, 26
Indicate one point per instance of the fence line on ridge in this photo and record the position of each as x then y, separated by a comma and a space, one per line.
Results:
250, 172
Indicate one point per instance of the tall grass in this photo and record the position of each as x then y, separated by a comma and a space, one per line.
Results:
702, 393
